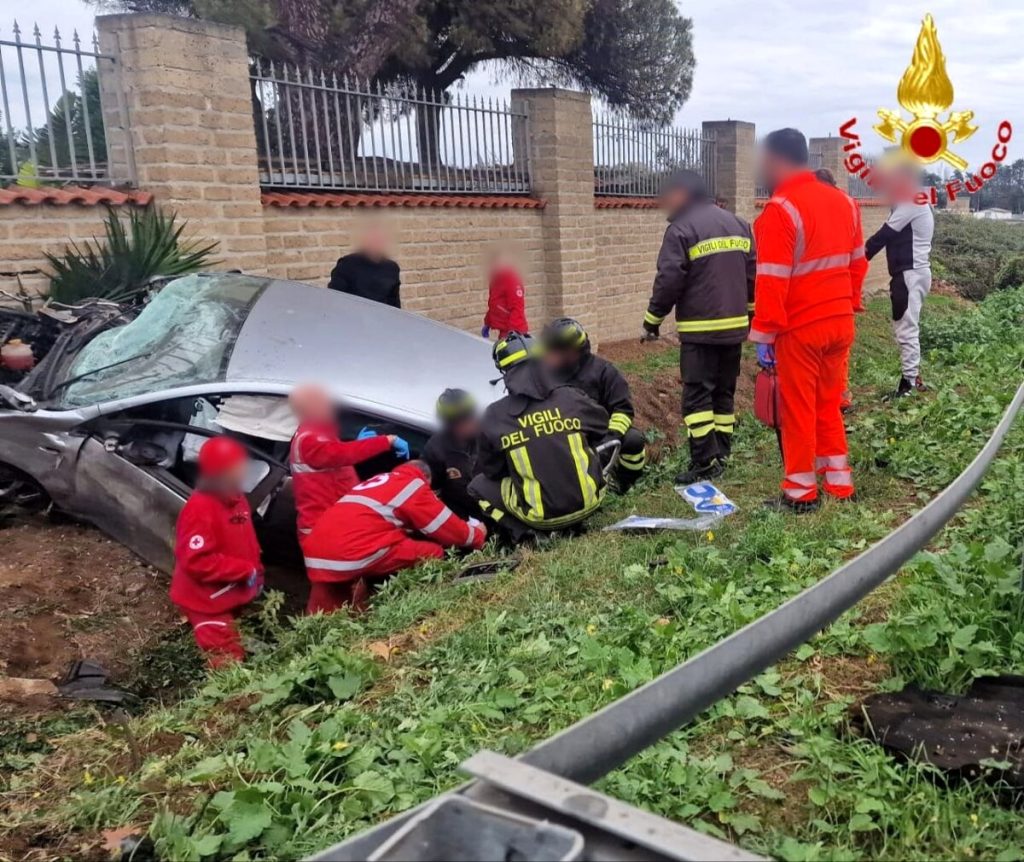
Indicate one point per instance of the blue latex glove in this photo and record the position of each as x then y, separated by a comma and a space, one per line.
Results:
486, 331
401, 448
366, 433
766, 355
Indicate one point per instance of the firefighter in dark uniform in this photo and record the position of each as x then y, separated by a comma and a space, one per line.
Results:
452, 451
568, 356
538, 468
706, 270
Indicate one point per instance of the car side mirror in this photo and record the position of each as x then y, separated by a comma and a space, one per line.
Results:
142, 453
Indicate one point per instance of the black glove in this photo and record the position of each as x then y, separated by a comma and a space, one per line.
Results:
652, 332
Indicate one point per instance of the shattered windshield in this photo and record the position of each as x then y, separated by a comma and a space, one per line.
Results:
182, 337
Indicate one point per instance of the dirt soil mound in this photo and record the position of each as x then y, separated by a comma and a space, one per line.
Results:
68, 592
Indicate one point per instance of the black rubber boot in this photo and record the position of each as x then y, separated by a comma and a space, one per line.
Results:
701, 472
782, 503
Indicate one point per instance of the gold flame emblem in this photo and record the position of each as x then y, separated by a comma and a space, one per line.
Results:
926, 92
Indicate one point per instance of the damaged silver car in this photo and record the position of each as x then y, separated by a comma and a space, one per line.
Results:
107, 425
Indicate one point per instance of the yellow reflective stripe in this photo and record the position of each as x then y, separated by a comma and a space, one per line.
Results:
699, 418
633, 462
712, 325
750, 306
620, 422
725, 418
718, 245
701, 431
588, 487
515, 357
531, 487
653, 319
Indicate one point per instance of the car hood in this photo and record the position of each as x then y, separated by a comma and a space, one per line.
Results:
361, 350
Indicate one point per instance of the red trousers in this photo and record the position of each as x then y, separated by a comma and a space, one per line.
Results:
330, 591
217, 636
812, 362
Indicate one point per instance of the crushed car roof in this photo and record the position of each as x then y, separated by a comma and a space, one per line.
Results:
363, 351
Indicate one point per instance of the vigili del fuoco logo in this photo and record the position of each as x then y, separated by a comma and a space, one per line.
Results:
926, 93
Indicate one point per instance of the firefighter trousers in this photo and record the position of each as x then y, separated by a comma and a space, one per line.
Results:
709, 373
811, 361
632, 459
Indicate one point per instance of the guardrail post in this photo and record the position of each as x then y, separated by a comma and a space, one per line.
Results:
177, 97
734, 164
561, 149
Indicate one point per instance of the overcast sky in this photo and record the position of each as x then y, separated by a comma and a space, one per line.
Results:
805, 63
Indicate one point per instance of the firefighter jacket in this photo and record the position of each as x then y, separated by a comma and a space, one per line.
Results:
810, 257
322, 468
453, 464
605, 384
216, 555
365, 524
706, 270
506, 303
538, 442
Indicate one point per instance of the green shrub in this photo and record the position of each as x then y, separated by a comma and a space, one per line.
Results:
145, 245
976, 255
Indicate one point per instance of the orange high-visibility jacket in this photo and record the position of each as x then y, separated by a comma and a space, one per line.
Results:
810, 257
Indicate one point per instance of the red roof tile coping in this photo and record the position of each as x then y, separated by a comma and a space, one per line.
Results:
611, 202
350, 199
72, 195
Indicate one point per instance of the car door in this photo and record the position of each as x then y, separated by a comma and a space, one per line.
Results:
130, 482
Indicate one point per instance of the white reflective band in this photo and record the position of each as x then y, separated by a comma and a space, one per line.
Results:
805, 479
386, 510
842, 477
858, 253
832, 261
438, 522
836, 462
210, 623
344, 565
472, 536
798, 224
777, 269
305, 530
223, 590
295, 457
299, 467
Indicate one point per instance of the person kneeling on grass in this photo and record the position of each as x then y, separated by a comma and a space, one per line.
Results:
372, 531
217, 567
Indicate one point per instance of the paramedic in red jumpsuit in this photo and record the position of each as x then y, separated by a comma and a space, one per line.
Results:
217, 568
323, 465
810, 273
374, 531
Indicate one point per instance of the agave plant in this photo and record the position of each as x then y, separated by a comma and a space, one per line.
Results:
145, 245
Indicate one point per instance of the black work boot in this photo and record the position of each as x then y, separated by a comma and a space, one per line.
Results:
904, 388
701, 472
782, 503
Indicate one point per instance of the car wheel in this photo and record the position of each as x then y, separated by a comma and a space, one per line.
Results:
20, 491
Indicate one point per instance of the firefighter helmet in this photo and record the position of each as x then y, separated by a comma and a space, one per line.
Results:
512, 350
455, 404
565, 332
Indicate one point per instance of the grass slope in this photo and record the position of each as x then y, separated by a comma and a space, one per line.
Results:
345, 722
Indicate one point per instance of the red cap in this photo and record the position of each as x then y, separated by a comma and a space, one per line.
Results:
220, 454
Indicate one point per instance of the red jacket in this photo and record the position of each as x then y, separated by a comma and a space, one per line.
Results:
322, 468
506, 303
810, 257
374, 517
217, 557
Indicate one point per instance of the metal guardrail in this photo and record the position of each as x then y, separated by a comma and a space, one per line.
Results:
319, 131
52, 123
631, 159
536, 783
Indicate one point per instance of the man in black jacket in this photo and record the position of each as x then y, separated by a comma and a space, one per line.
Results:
369, 272
539, 470
706, 270
452, 452
568, 355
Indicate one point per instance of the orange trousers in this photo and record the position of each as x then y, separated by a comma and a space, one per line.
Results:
811, 362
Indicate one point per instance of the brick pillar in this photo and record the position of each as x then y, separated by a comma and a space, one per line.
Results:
177, 102
832, 155
734, 164
561, 150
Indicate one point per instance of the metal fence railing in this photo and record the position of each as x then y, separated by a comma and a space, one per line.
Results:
631, 159
815, 160
319, 131
51, 130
